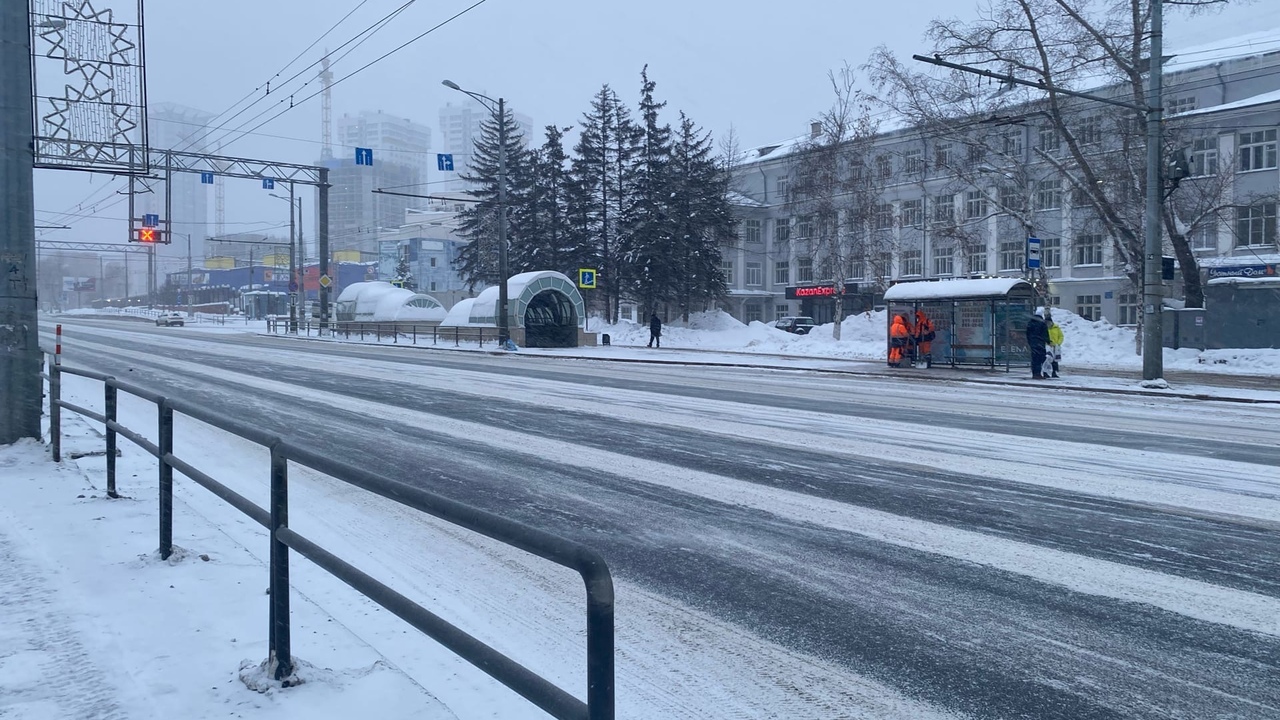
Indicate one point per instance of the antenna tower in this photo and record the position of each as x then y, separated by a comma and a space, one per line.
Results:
326, 109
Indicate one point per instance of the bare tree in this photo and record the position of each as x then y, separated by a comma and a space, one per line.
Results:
835, 188
1059, 44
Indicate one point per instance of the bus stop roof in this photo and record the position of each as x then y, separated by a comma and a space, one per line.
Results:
965, 289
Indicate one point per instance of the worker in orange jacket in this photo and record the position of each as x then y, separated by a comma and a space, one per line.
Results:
924, 334
899, 337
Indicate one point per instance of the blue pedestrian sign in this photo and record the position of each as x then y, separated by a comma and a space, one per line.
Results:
268, 184
587, 278
444, 161
1033, 253
364, 156
206, 178
150, 220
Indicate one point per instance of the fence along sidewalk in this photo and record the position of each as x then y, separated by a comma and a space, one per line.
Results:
586, 562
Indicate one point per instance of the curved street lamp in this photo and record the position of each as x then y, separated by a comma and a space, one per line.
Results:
499, 115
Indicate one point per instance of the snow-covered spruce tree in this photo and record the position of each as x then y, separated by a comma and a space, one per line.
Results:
548, 239
653, 252
404, 276
701, 218
478, 224
603, 171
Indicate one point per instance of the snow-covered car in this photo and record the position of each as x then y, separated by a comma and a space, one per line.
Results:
170, 318
797, 325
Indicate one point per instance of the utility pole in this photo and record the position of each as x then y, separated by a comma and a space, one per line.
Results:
20, 357
323, 210
504, 331
302, 266
190, 286
293, 265
1153, 247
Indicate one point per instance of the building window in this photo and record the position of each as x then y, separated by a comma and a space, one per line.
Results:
433, 286
751, 231
432, 262
977, 261
1088, 250
943, 155
944, 208
726, 267
753, 312
1013, 144
1204, 157
755, 274
912, 213
1204, 237
944, 261
784, 184
1012, 255
1047, 139
804, 270
913, 161
1256, 225
1129, 304
781, 311
1257, 150
1090, 130
1089, 307
912, 263
1177, 106
1048, 195
975, 204
885, 263
804, 227
782, 273
781, 230
884, 166
883, 218
977, 153
1051, 252
1011, 197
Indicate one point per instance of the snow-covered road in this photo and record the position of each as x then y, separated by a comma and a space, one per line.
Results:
787, 544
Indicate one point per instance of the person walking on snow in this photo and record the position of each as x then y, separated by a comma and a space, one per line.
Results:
1037, 339
924, 338
655, 330
1054, 352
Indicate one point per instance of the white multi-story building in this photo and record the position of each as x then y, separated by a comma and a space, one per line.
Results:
460, 129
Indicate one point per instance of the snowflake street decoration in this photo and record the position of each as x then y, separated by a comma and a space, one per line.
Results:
99, 120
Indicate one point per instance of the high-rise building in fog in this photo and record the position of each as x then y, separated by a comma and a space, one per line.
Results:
460, 128
402, 156
177, 127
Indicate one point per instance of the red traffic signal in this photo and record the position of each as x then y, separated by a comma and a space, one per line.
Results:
147, 235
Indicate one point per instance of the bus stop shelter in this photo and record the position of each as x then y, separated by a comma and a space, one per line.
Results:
980, 321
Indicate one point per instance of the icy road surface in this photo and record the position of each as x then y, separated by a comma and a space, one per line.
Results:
785, 544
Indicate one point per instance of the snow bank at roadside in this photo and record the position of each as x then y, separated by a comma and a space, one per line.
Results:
1088, 343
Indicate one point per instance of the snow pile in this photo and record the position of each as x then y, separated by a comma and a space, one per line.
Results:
1088, 343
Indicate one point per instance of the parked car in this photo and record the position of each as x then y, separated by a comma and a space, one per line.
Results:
797, 325
171, 318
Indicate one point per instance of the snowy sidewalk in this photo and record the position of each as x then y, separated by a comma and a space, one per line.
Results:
95, 625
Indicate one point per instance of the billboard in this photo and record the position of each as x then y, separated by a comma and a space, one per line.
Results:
79, 284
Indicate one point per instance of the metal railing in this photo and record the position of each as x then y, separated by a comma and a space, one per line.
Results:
588, 564
390, 331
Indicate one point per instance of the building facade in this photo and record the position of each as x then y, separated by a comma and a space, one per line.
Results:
963, 204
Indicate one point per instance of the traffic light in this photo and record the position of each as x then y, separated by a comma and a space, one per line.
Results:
147, 235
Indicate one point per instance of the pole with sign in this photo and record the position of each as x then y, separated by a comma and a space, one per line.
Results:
586, 281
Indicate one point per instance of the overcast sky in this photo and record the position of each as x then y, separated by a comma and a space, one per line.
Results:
757, 66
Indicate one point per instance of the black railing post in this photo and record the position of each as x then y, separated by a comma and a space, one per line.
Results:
109, 412
55, 411
455, 336
281, 658
600, 632
166, 478
415, 334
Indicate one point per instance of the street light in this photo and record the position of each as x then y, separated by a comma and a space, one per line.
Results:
499, 114
293, 255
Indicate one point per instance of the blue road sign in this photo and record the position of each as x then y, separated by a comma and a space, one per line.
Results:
150, 220
206, 178
293, 286
444, 161
587, 278
364, 156
268, 184
1033, 253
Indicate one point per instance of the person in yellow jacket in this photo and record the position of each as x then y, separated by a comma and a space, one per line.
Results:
1054, 353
